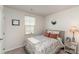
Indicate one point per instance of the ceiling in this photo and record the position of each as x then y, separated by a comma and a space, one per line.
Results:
42, 10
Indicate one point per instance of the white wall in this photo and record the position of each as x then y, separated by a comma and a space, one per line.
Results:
65, 19
15, 34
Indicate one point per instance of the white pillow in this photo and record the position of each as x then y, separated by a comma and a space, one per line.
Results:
55, 32
52, 32
49, 31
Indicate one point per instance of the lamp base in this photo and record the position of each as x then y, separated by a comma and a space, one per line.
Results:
73, 39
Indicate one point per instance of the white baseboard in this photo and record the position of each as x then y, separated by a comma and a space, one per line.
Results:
13, 48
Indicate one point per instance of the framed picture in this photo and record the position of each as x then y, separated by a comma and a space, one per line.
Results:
15, 22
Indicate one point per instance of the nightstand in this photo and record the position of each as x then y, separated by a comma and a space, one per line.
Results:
71, 47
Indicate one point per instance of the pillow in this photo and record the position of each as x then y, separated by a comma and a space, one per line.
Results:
58, 35
49, 31
61, 36
53, 36
46, 34
55, 32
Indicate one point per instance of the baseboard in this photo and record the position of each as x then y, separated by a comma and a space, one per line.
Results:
13, 48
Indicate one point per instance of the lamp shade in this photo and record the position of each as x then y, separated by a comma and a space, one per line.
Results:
73, 29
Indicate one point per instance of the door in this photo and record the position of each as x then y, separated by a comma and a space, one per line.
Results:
1, 29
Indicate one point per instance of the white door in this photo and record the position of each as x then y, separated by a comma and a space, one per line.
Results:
1, 29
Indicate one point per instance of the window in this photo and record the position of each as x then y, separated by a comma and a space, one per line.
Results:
29, 24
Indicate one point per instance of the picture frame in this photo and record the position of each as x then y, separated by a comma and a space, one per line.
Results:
15, 22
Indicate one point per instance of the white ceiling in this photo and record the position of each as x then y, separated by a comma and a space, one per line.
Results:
42, 10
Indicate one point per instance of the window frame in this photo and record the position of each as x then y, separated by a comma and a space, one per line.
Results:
30, 32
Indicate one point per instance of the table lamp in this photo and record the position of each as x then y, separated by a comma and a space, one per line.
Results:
73, 29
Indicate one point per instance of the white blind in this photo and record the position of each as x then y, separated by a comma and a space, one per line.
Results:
29, 24
29, 20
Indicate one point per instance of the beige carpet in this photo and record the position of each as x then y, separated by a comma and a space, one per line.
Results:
22, 51
16, 51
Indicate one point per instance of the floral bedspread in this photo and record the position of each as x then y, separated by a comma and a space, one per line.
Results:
43, 45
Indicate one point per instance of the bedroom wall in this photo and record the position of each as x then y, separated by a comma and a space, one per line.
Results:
65, 19
14, 35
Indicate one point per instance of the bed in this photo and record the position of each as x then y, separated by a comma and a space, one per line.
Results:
44, 45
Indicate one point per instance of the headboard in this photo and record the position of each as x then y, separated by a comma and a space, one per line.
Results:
61, 33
